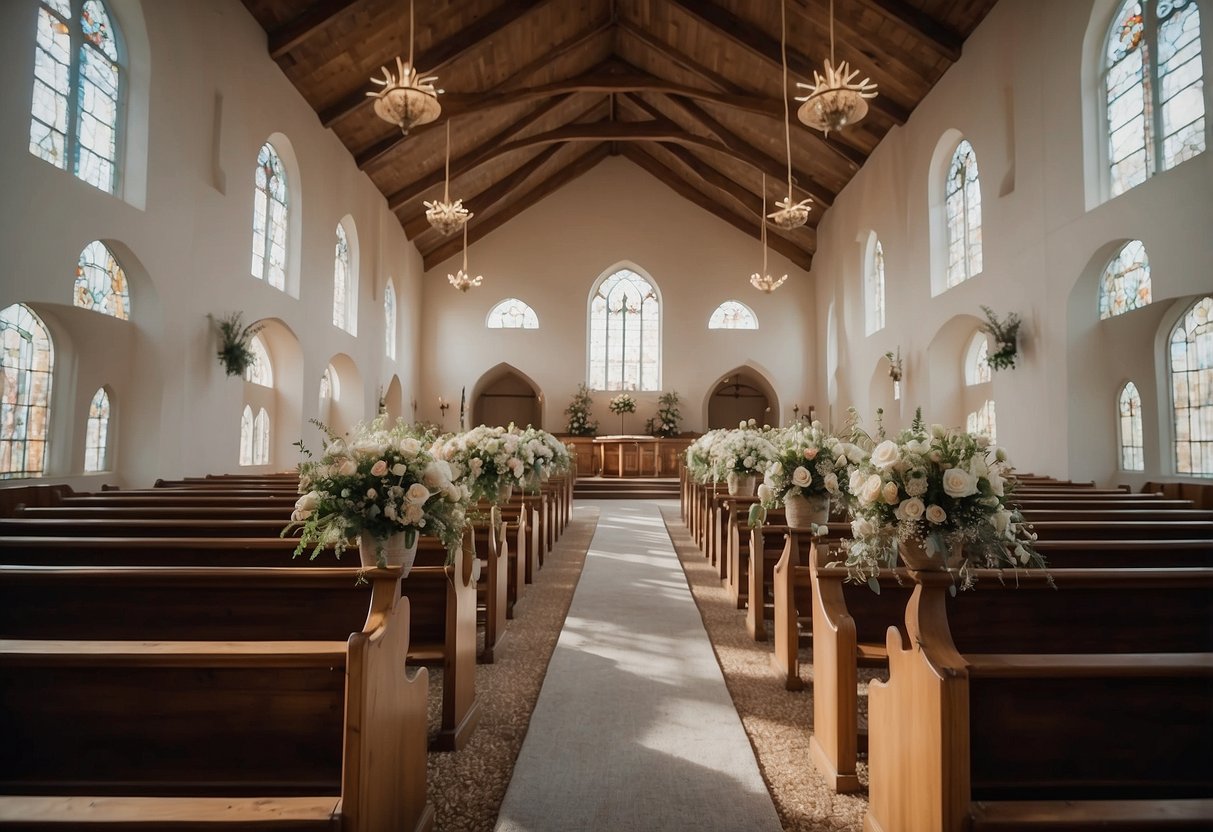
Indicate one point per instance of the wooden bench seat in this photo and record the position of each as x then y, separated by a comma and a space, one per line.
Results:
229, 512
1117, 529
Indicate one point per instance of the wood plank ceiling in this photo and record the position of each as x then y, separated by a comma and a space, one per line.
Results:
539, 91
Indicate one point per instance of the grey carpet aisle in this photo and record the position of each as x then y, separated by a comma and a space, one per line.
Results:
634, 729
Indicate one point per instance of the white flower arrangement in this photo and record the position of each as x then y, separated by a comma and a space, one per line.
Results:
808, 462
746, 450
580, 423
487, 458
699, 456
621, 404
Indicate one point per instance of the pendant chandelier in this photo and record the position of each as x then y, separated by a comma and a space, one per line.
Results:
463, 280
762, 281
835, 99
444, 215
790, 214
406, 99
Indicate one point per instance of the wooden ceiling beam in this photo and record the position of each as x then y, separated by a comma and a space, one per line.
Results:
747, 36
926, 28
477, 230
294, 32
678, 185
679, 57
440, 54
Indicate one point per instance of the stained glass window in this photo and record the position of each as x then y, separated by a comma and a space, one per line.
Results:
269, 218
977, 366
96, 433
625, 334
246, 436
1154, 87
389, 319
874, 283
101, 283
512, 313
733, 315
77, 83
27, 360
1132, 444
1126, 281
261, 438
261, 370
341, 281
1192, 389
962, 209
981, 421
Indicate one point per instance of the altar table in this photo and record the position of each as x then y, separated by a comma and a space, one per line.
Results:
616, 445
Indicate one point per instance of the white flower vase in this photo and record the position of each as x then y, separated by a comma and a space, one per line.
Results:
804, 512
742, 485
394, 551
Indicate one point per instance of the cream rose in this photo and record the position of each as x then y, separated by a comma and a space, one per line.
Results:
765, 493
889, 493
958, 483
911, 509
347, 468
810, 454
417, 494
399, 469
831, 483
410, 447
413, 514
885, 455
379, 468
870, 490
861, 528
801, 476
935, 514
308, 502
855, 482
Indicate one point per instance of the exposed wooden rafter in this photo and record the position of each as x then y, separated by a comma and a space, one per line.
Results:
286, 37
939, 37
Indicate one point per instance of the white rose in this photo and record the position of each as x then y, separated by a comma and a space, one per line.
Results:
748, 462
862, 527
935, 514
831, 483
434, 477
516, 467
412, 514
889, 493
885, 455
801, 476
741, 425
1000, 520
410, 447
958, 483
996, 482
870, 490
911, 509
765, 493
399, 469
855, 482
308, 502
300, 514
371, 493
453, 493
347, 468
417, 494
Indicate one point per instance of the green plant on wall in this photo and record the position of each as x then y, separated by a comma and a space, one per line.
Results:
1006, 335
235, 352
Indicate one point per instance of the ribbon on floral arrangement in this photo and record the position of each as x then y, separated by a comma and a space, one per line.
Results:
758, 516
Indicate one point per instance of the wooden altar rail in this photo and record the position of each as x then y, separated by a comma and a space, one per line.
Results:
191, 734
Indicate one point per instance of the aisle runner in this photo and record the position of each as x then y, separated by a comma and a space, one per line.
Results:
634, 729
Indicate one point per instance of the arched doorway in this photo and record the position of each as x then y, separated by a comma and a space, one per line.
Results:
741, 395
393, 400
504, 395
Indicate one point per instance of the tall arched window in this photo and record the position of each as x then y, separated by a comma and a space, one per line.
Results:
1154, 82
246, 436
977, 360
962, 213
625, 334
261, 370
874, 288
261, 438
27, 360
270, 218
389, 320
1125, 284
1192, 389
101, 283
1132, 443
982, 421
343, 276
512, 313
733, 314
96, 433
77, 91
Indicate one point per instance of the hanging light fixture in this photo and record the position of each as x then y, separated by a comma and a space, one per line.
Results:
463, 280
444, 215
762, 281
790, 214
406, 99
835, 99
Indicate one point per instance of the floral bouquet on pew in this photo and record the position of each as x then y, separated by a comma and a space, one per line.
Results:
491, 460
939, 498
379, 481
699, 456
810, 468
741, 456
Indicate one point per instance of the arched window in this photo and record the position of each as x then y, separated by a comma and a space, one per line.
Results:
512, 313
733, 314
1132, 444
343, 278
625, 334
874, 287
261, 370
96, 433
101, 283
270, 218
389, 320
1125, 284
962, 213
1192, 389
246, 436
261, 438
27, 359
981, 421
77, 90
1154, 79
977, 360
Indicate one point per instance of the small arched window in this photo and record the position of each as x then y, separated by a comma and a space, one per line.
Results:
27, 359
512, 313
981, 421
1191, 383
261, 438
77, 91
733, 314
977, 360
261, 370
270, 218
625, 333
96, 433
1132, 443
1125, 284
874, 288
246, 436
101, 283
343, 280
1154, 86
962, 215
389, 319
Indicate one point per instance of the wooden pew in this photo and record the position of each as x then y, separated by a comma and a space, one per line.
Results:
1085, 737
218, 734
1118, 529
766, 550
737, 549
492, 597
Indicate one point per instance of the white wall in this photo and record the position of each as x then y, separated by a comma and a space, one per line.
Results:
215, 97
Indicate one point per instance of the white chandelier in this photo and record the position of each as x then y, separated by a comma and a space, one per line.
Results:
835, 99
444, 215
406, 99
762, 281
791, 214
462, 279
